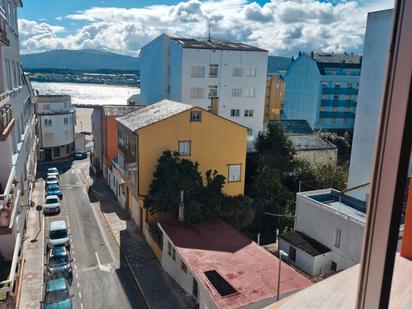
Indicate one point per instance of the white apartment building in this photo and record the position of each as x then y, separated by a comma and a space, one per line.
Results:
227, 78
17, 146
56, 119
375, 55
328, 232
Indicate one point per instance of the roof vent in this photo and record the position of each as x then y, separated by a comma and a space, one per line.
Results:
220, 284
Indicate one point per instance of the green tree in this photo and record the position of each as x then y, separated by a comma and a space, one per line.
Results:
237, 211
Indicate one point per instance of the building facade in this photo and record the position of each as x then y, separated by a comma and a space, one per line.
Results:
227, 78
275, 93
314, 149
322, 88
18, 155
328, 232
375, 55
55, 126
198, 135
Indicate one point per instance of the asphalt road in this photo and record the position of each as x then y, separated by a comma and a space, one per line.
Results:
101, 278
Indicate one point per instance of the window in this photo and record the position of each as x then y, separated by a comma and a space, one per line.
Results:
46, 107
212, 91
174, 253
249, 132
49, 122
56, 152
337, 238
250, 93
169, 248
198, 71
333, 266
183, 267
213, 70
196, 116
292, 254
336, 97
337, 85
197, 93
349, 85
234, 172
236, 92
184, 148
66, 121
248, 112
325, 85
45, 122
237, 72
235, 112
195, 288
250, 72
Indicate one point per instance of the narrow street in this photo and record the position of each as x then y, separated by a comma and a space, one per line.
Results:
101, 278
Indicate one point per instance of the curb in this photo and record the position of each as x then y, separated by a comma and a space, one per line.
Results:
148, 305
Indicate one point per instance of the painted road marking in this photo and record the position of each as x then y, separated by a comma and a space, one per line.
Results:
80, 294
105, 268
77, 276
81, 305
78, 284
75, 266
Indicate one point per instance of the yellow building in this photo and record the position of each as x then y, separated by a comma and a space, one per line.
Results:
198, 135
275, 93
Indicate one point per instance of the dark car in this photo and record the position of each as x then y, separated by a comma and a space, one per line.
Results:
80, 155
59, 263
57, 295
53, 189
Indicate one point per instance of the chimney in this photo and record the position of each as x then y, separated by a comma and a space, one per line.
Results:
293, 59
300, 53
181, 208
311, 54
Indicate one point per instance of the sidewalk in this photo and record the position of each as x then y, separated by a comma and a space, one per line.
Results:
158, 288
33, 250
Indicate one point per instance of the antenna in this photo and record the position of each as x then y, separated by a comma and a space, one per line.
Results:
208, 21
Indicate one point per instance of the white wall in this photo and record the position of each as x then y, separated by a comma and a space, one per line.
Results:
321, 156
61, 134
320, 223
227, 61
375, 54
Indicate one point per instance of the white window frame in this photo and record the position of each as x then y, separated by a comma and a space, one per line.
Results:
213, 91
250, 92
234, 173
185, 148
236, 92
251, 72
213, 70
237, 72
248, 113
197, 71
235, 112
197, 93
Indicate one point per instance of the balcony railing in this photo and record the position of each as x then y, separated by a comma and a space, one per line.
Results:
3, 33
5, 117
337, 91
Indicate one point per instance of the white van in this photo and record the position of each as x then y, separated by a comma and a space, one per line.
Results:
58, 234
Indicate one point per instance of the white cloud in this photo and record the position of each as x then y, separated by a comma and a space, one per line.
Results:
280, 26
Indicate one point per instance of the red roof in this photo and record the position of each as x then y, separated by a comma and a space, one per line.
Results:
246, 266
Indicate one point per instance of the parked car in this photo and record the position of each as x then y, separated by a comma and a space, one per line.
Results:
59, 263
53, 189
58, 234
52, 205
57, 294
80, 155
52, 171
51, 180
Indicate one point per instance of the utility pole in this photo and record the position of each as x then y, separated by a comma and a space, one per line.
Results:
181, 207
208, 37
280, 262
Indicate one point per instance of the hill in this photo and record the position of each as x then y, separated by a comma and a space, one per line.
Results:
83, 60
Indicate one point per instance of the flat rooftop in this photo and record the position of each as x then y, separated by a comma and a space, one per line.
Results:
305, 243
215, 44
214, 251
339, 202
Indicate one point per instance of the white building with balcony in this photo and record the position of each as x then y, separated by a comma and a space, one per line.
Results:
17, 146
226, 78
55, 126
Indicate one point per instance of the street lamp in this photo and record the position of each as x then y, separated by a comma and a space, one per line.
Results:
281, 252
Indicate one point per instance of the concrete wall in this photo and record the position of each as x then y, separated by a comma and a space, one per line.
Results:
275, 93
322, 156
60, 133
320, 223
154, 70
176, 66
97, 132
375, 54
215, 143
227, 61
114, 180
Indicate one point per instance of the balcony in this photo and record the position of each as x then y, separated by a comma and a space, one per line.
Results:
337, 91
338, 103
4, 40
6, 121
8, 209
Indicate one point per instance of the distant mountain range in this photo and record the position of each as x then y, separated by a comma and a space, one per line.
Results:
84, 60
93, 60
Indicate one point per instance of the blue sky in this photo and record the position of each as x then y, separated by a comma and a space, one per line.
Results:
281, 26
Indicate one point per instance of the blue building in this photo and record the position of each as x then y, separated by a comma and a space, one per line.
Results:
322, 88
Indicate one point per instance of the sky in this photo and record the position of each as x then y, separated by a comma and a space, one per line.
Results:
283, 27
